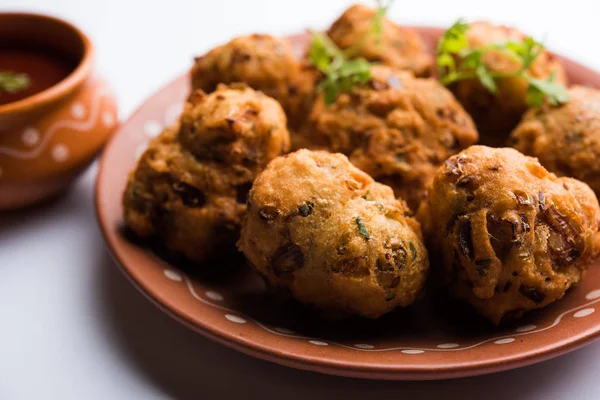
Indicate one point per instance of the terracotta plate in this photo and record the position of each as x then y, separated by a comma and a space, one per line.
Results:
433, 339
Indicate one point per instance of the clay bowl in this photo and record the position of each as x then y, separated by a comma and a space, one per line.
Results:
433, 339
48, 138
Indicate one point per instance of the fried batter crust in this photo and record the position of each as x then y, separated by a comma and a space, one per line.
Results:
397, 128
324, 232
565, 139
510, 236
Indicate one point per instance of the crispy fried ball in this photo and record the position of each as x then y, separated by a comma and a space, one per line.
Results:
236, 126
497, 114
565, 139
192, 201
397, 128
399, 46
510, 236
324, 232
263, 62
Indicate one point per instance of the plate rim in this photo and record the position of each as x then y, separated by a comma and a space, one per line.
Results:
323, 364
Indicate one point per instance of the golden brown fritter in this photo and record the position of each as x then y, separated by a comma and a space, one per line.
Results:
509, 235
399, 46
235, 126
263, 62
324, 232
565, 139
497, 114
193, 201
397, 128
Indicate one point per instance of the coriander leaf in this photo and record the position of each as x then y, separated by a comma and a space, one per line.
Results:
362, 229
413, 251
454, 39
12, 82
457, 61
341, 73
554, 92
486, 78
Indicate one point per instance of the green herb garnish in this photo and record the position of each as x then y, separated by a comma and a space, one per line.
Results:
362, 229
341, 73
13, 82
457, 61
413, 251
341, 69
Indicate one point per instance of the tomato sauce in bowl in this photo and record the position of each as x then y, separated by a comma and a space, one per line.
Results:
37, 68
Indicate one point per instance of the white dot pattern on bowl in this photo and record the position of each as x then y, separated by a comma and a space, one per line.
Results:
108, 119
504, 341
172, 275
364, 346
30, 137
447, 345
214, 295
78, 111
235, 318
152, 128
413, 351
60, 152
318, 342
584, 313
526, 328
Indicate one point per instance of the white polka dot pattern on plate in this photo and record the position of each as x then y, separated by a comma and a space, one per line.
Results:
413, 351
593, 295
364, 346
526, 328
60, 152
172, 114
108, 119
30, 137
318, 342
152, 128
447, 345
214, 295
172, 275
77, 111
140, 150
504, 341
583, 313
235, 318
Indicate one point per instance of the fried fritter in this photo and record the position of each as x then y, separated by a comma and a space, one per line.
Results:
235, 126
263, 62
194, 201
497, 114
399, 46
565, 139
396, 128
324, 232
510, 236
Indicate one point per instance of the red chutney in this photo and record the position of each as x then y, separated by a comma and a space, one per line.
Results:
44, 68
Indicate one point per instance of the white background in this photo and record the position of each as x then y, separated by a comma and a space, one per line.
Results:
71, 327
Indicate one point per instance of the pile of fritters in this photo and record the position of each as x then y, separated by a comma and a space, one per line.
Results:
336, 231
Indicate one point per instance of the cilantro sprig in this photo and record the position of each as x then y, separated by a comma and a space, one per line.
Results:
13, 82
341, 74
342, 70
457, 61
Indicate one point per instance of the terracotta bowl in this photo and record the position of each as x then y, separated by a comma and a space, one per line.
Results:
50, 137
432, 339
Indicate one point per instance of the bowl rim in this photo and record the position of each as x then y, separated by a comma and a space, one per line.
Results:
66, 85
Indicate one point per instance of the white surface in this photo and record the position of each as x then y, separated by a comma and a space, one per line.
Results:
72, 327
